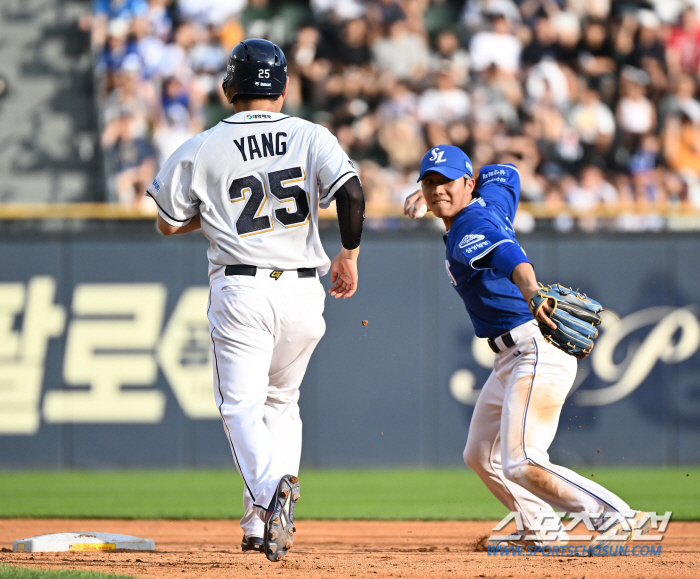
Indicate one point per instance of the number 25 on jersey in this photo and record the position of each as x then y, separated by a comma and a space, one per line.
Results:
251, 190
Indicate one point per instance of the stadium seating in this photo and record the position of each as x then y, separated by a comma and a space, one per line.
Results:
48, 121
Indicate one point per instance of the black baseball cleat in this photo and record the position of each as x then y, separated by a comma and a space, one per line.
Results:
279, 519
251, 543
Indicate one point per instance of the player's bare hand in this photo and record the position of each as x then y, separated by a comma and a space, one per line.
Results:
344, 273
414, 206
545, 312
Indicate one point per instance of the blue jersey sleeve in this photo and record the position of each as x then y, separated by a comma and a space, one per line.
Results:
503, 259
499, 185
489, 248
469, 245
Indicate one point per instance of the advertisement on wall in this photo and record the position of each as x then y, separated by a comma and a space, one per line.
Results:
86, 347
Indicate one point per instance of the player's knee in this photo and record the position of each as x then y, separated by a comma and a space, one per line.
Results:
519, 472
475, 457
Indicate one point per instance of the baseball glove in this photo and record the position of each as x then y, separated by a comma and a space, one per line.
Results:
575, 315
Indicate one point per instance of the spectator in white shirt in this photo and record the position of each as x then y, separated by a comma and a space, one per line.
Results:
445, 104
400, 102
636, 114
210, 11
497, 46
476, 12
592, 190
682, 101
448, 52
593, 121
171, 132
402, 53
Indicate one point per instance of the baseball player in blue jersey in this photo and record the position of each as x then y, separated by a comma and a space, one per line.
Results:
516, 416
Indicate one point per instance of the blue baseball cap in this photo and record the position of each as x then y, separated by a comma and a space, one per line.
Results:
447, 160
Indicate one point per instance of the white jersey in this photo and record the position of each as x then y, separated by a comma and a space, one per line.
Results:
257, 180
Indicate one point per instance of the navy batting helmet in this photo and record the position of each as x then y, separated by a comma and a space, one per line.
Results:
256, 67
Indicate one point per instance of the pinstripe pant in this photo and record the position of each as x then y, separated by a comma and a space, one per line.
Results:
263, 332
513, 425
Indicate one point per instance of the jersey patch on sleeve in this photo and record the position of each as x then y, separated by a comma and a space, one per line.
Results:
475, 247
500, 174
494, 176
156, 186
470, 239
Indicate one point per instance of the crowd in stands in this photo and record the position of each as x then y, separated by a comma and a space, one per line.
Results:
596, 101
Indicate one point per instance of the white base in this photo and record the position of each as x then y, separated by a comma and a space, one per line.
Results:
82, 542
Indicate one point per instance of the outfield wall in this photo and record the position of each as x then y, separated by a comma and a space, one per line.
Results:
105, 361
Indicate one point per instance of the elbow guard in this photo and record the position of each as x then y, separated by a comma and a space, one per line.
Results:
350, 205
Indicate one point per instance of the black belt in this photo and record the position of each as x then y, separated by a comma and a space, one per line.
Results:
241, 269
507, 342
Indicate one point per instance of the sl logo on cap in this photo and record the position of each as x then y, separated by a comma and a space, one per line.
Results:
437, 155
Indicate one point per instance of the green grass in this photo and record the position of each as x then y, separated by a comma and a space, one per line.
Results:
13, 572
326, 494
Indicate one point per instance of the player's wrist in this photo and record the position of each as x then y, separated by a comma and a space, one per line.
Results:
530, 292
346, 253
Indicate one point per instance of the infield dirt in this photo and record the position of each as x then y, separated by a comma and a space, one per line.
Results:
211, 550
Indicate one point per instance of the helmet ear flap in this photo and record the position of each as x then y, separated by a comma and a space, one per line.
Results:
224, 86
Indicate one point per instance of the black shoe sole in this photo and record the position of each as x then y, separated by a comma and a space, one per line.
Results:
279, 521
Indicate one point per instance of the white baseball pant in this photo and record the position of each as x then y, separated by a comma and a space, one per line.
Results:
513, 425
263, 332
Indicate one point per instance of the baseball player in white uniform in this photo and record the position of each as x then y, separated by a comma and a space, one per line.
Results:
253, 183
